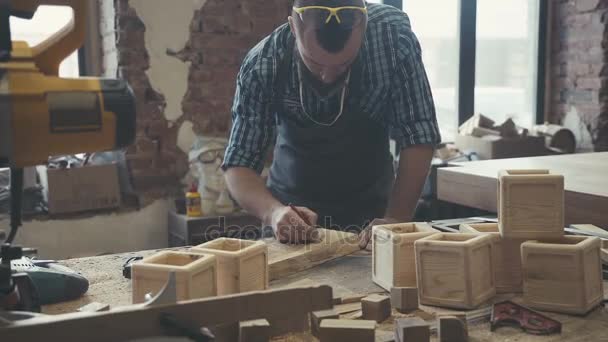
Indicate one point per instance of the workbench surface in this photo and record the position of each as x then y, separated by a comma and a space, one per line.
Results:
348, 275
474, 184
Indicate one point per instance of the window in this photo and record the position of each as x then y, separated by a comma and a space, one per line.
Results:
496, 73
506, 63
437, 31
46, 21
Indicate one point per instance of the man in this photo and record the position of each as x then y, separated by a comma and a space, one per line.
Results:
333, 86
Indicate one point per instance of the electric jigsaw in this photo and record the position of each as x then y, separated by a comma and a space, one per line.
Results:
42, 115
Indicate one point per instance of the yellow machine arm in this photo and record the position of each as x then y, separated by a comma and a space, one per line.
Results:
49, 54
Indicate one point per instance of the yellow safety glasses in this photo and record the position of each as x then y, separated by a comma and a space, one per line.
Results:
318, 16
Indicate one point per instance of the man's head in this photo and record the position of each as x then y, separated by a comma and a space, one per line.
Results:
328, 38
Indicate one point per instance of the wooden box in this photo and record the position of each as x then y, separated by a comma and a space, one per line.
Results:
494, 147
195, 275
530, 204
506, 257
393, 259
242, 264
455, 270
563, 275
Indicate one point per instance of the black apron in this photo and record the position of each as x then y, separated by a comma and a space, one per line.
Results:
343, 172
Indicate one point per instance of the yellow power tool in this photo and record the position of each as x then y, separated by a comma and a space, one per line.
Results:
42, 114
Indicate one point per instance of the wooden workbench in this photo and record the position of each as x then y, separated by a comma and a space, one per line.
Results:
348, 275
474, 184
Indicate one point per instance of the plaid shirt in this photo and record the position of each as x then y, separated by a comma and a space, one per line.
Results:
390, 78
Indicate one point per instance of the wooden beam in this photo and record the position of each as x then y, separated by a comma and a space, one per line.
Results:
137, 321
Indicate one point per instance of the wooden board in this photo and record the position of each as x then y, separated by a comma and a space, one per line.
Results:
474, 184
135, 322
285, 260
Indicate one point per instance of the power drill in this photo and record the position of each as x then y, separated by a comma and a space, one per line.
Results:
42, 114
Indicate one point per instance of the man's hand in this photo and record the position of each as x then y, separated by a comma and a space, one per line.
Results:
366, 234
294, 226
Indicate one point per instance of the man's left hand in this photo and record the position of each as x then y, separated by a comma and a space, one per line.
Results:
366, 233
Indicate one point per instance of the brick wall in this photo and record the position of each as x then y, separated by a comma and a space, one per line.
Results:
579, 72
220, 34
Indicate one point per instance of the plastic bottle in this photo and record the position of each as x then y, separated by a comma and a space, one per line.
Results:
193, 202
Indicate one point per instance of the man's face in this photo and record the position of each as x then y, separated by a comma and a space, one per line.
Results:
328, 49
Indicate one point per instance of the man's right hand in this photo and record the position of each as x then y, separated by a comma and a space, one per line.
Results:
295, 227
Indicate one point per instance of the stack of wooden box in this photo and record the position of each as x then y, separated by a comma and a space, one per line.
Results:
525, 252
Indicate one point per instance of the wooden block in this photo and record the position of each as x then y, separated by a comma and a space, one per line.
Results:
341, 330
455, 270
318, 316
413, 329
94, 307
195, 275
393, 260
563, 275
242, 264
404, 299
506, 257
376, 307
452, 329
290, 324
531, 204
254, 331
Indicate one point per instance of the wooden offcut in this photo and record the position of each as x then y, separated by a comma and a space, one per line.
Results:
242, 264
254, 331
342, 330
563, 275
318, 316
412, 329
452, 329
285, 260
531, 204
455, 270
195, 275
404, 299
376, 307
393, 259
506, 257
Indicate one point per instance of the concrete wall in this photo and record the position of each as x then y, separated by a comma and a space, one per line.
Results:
104, 234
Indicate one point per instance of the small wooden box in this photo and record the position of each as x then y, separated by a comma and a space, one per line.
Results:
195, 275
563, 275
531, 204
242, 264
506, 257
455, 270
393, 258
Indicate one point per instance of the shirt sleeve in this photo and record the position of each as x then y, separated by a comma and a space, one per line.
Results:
412, 120
253, 125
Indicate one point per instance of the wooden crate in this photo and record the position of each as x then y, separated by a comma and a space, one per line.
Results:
455, 270
393, 259
506, 257
563, 275
531, 204
195, 275
242, 264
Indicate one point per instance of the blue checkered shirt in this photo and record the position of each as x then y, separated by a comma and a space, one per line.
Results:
392, 82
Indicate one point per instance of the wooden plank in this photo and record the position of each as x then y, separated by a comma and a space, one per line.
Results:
475, 184
135, 322
285, 260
